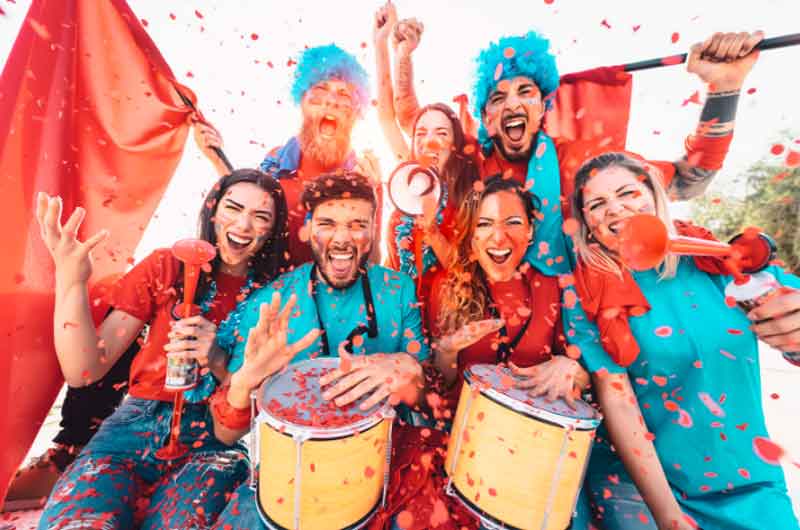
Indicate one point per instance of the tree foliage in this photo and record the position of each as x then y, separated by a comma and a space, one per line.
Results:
771, 202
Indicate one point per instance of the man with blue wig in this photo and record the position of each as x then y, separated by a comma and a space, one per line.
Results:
332, 90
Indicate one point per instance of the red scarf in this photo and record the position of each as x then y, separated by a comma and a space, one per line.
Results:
609, 299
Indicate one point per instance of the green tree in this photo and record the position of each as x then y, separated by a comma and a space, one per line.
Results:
771, 203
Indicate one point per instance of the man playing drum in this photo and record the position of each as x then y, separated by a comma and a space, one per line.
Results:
335, 304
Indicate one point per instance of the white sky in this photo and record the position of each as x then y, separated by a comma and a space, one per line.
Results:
248, 101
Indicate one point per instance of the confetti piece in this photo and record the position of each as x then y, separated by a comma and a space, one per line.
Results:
660, 380
663, 331
404, 519
637, 27
685, 419
776, 149
711, 405
767, 450
198, 14
675, 37
605, 24
751, 90
369, 472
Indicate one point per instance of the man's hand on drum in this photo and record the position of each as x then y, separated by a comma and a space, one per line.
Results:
193, 337
560, 377
397, 376
267, 350
71, 256
724, 59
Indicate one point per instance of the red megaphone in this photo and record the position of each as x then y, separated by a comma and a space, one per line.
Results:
645, 242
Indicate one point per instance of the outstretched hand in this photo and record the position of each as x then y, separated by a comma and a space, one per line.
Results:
267, 350
385, 20
72, 257
406, 36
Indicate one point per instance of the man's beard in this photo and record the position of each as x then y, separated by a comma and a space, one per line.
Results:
517, 156
330, 154
317, 254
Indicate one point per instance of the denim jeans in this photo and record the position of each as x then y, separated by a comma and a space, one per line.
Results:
118, 483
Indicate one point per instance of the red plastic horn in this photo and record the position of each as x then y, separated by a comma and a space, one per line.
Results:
645, 242
194, 253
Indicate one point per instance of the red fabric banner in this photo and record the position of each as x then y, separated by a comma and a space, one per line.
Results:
89, 110
589, 116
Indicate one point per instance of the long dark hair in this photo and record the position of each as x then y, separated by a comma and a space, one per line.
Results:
464, 289
460, 171
270, 260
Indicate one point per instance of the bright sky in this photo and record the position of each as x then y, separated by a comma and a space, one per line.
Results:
222, 60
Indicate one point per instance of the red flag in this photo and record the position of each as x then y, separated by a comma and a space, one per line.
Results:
89, 110
589, 116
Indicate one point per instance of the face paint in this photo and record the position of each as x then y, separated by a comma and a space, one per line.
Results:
341, 239
513, 115
610, 196
243, 221
502, 234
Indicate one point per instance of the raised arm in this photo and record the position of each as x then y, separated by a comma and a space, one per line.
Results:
405, 40
84, 353
385, 20
723, 62
628, 433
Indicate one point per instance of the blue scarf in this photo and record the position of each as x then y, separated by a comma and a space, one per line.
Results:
544, 181
286, 160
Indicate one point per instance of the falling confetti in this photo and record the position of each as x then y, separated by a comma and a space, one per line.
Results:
767, 450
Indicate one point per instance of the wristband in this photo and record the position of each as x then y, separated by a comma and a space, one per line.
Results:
229, 416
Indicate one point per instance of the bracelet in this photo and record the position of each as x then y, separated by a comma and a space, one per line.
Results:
229, 416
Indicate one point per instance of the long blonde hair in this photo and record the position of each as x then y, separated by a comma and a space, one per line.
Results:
595, 254
464, 294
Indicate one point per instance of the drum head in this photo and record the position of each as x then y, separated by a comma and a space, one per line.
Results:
499, 381
294, 398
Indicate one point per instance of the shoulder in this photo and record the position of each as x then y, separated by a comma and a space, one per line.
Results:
380, 276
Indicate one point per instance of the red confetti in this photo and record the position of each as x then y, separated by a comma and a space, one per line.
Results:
776, 149
605, 23
254, 36
369, 472
172, 16
636, 27
144, 22
694, 98
675, 37
767, 450
660, 380
492, 492
751, 90
663, 331
793, 159
734, 331
198, 14
744, 473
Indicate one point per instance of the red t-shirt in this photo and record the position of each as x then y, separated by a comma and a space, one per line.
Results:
529, 293
147, 292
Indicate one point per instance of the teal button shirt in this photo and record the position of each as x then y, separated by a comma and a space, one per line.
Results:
340, 312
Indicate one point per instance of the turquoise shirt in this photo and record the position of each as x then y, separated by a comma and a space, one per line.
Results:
340, 312
698, 383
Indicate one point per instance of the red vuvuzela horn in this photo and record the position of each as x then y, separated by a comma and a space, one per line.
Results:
193, 253
644, 242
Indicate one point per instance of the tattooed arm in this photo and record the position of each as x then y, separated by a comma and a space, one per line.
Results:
385, 21
722, 61
405, 40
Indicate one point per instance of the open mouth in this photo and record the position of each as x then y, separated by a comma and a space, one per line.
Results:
499, 256
341, 262
238, 243
514, 126
328, 125
616, 226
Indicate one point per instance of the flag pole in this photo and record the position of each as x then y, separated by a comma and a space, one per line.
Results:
792, 39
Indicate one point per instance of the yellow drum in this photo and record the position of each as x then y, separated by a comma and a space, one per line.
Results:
320, 466
513, 460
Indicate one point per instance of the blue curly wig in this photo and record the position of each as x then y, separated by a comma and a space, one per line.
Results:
329, 62
531, 58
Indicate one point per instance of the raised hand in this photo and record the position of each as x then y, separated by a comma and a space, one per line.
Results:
396, 376
267, 350
385, 20
71, 256
724, 59
207, 137
406, 36
556, 378
369, 166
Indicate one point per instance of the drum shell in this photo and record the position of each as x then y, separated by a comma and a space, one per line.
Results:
341, 479
521, 471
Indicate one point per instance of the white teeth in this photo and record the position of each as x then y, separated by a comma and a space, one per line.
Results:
330, 117
348, 255
498, 253
515, 122
240, 240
